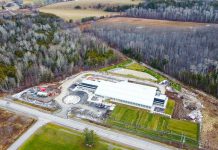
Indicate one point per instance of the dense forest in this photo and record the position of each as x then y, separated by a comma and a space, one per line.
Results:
42, 47
190, 54
185, 10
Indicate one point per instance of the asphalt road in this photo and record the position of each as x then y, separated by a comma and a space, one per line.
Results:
105, 133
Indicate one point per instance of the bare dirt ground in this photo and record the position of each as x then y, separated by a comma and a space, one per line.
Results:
209, 128
179, 112
209, 134
11, 127
151, 22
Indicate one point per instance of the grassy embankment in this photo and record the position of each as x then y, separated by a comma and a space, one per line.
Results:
153, 126
51, 137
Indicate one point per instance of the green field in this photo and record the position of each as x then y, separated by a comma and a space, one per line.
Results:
170, 107
54, 137
156, 127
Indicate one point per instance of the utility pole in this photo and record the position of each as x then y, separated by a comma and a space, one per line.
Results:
183, 139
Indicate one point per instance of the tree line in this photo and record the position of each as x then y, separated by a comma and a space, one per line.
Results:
187, 10
190, 54
42, 47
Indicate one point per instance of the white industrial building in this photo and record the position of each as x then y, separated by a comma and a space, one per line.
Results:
143, 96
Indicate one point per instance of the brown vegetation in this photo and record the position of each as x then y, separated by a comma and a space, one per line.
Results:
210, 122
11, 127
77, 10
151, 22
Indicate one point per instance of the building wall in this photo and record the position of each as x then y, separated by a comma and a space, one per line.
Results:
127, 103
131, 104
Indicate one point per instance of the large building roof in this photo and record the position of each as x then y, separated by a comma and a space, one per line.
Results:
124, 90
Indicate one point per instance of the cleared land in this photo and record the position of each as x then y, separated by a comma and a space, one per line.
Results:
67, 10
156, 127
129, 64
138, 74
68, 14
150, 22
140, 68
51, 137
11, 127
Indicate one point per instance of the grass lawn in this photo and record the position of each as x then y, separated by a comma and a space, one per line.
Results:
170, 107
54, 137
187, 128
153, 126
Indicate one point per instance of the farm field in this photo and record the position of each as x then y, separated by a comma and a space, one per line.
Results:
156, 127
68, 14
87, 8
51, 137
150, 22
11, 127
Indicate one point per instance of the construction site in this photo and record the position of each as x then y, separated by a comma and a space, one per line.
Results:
42, 96
95, 95
107, 99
